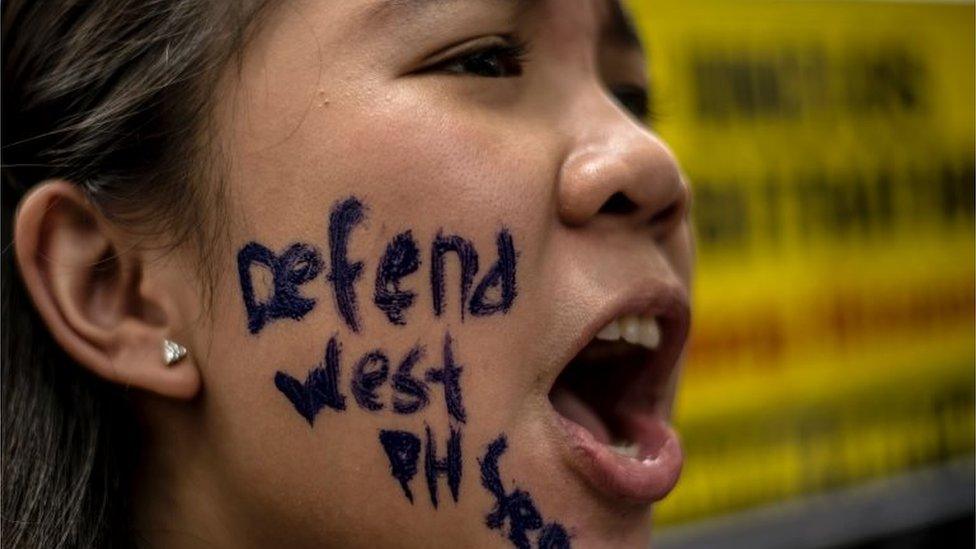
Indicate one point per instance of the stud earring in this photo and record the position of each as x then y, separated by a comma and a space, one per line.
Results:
173, 352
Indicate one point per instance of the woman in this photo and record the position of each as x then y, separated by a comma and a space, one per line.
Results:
354, 274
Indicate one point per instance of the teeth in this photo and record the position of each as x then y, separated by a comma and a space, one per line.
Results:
626, 449
634, 330
650, 334
610, 332
630, 326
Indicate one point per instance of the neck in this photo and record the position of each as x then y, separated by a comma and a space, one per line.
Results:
177, 500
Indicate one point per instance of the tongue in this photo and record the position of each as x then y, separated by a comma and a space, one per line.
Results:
573, 408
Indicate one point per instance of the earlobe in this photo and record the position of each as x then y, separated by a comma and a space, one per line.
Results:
89, 285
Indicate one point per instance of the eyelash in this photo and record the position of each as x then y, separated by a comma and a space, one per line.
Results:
636, 100
494, 61
514, 54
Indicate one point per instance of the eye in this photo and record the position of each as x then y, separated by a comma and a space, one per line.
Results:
497, 60
635, 99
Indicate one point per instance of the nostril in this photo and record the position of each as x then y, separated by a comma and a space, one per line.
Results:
619, 204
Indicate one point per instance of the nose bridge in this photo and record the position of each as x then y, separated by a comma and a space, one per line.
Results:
615, 158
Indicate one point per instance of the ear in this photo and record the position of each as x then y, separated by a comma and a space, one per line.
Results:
90, 287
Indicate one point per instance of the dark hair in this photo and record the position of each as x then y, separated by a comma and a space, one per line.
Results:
114, 96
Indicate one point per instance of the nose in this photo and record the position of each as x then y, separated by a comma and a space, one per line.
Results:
618, 169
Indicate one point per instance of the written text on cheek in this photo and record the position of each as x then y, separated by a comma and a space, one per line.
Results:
301, 263
410, 385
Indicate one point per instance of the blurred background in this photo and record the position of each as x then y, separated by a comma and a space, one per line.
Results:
828, 399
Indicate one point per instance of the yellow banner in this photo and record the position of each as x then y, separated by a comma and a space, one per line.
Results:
830, 146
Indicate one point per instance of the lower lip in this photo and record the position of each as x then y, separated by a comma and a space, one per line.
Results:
641, 481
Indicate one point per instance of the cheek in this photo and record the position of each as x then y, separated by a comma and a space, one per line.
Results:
331, 478
416, 160
422, 165
456, 181
476, 174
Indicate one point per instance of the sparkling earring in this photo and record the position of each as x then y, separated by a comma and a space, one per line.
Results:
173, 352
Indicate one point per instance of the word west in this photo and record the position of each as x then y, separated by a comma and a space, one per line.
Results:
301, 263
409, 393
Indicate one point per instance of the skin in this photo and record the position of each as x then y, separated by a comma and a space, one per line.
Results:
334, 99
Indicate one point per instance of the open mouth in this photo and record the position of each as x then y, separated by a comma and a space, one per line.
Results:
612, 401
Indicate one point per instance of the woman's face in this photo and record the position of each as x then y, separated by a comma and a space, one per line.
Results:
434, 207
